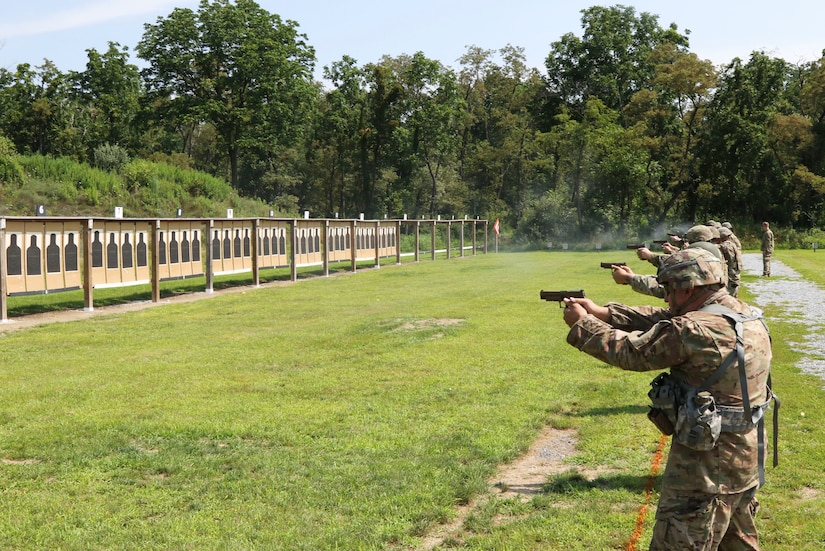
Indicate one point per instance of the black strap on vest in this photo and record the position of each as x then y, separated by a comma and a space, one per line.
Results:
756, 417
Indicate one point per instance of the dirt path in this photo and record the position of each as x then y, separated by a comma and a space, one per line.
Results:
522, 479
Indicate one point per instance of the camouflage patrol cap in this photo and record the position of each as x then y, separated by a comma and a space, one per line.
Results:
698, 233
691, 267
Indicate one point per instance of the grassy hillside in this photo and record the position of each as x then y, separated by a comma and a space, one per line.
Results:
143, 188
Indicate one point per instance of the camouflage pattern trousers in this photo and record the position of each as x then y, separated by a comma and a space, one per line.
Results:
697, 521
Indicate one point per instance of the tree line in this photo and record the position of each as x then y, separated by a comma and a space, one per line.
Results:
626, 131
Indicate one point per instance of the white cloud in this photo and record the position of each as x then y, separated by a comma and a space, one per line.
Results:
86, 14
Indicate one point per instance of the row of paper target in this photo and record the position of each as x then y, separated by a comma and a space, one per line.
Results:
48, 256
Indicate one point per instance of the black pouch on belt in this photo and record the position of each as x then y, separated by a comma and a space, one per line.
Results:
658, 418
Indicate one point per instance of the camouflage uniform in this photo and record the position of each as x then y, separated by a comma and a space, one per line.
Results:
646, 285
708, 498
657, 258
736, 242
767, 249
733, 258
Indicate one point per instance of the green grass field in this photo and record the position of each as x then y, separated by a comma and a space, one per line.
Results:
354, 412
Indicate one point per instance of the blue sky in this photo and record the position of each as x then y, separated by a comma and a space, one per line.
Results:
62, 30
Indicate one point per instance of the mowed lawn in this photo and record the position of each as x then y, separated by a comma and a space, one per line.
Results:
354, 412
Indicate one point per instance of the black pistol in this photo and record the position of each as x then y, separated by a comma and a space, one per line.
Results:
559, 296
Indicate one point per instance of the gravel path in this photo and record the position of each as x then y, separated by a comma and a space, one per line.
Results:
802, 302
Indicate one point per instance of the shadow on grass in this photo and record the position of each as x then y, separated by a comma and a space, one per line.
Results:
631, 409
573, 483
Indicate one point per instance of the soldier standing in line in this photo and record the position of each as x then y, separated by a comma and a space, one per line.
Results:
733, 237
708, 497
733, 257
767, 249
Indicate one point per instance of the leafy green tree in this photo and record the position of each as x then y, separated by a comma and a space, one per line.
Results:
428, 135
578, 147
376, 138
502, 156
812, 106
10, 170
740, 174
236, 66
790, 139
611, 61
476, 64
668, 117
39, 111
619, 177
548, 217
22, 120
339, 126
109, 90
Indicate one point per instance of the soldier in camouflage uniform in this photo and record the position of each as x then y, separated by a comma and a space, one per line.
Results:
708, 498
767, 249
733, 258
733, 237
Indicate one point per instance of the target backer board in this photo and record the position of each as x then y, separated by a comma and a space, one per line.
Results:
42, 257
339, 242
180, 249
308, 244
120, 253
272, 244
365, 242
231, 242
